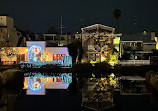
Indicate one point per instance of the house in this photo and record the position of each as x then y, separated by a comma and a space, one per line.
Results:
137, 48
36, 52
8, 32
97, 43
57, 39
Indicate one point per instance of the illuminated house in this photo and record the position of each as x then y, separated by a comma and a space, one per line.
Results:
36, 52
116, 41
97, 42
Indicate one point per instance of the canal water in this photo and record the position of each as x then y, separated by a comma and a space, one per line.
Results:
65, 91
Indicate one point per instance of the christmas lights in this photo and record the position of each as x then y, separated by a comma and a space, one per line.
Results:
113, 80
35, 51
10, 52
66, 61
35, 83
44, 57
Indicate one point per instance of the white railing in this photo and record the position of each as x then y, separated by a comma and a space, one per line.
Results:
134, 62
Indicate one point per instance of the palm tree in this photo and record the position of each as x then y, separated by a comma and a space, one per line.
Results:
117, 14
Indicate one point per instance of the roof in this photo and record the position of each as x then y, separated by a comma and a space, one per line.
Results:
98, 26
138, 37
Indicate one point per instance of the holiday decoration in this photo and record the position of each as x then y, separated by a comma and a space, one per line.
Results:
35, 53
10, 52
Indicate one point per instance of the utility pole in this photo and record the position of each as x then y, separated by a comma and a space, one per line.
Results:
135, 24
61, 28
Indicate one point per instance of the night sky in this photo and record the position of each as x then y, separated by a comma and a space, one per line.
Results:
39, 15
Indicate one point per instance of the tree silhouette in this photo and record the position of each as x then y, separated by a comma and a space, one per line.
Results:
117, 15
75, 49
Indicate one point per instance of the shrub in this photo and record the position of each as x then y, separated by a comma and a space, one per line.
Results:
148, 75
154, 81
11, 76
83, 68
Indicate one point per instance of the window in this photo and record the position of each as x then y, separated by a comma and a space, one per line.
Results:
132, 44
21, 57
55, 38
49, 37
56, 56
62, 38
58, 79
139, 44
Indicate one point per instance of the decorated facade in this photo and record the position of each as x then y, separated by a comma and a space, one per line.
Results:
97, 42
36, 53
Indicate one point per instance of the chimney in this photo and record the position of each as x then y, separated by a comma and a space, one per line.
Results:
152, 35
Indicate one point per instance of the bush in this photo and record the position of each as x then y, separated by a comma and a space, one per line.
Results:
148, 75
83, 68
102, 67
154, 81
11, 77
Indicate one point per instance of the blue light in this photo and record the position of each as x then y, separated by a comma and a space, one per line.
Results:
66, 78
34, 82
35, 51
65, 62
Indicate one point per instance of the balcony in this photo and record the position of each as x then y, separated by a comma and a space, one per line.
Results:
136, 48
134, 62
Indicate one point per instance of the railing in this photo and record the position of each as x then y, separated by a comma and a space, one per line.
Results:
134, 62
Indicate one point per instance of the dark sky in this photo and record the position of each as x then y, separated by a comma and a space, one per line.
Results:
39, 15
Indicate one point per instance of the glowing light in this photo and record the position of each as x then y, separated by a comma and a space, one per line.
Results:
113, 81
113, 59
35, 83
10, 52
66, 61
44, 57
45, 80
66, 78
35, 52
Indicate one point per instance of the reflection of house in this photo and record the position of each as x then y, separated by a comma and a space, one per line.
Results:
132, 85
58, 40
34, 52
38, 84
97, 42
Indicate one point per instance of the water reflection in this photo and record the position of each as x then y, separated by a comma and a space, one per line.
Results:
37, 83
97, 93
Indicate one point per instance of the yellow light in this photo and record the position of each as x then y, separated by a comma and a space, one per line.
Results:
36, 85
45, 80
113, 59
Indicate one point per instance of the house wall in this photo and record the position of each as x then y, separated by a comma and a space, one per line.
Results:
149, 47
10, 32
21, 50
